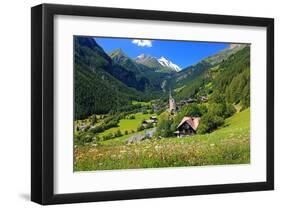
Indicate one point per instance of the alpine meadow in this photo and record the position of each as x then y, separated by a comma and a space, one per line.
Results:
143, 103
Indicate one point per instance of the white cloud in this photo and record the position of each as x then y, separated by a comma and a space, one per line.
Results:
142, 43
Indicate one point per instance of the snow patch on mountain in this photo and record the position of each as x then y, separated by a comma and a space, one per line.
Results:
167, 63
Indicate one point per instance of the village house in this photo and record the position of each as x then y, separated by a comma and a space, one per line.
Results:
190, 100
81, 127
203, 98
149, 121
187, 126
186, 102
152, 120
155, 108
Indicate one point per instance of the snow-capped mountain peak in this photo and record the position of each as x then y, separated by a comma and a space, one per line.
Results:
157, 63
141, 56
144, 57
167, 63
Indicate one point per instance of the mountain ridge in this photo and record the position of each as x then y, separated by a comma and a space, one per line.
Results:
115, 79
153, 79
158, 64
189, 73
101, 85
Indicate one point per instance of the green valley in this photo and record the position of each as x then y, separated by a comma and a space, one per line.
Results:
147, 112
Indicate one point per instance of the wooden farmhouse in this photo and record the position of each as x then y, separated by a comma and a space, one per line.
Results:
187, 126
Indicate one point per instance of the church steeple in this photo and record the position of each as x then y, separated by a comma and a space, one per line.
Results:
172, 103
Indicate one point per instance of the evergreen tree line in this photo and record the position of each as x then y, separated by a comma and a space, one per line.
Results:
231, 78
97, 91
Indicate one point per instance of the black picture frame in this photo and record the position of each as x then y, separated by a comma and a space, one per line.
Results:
42, 103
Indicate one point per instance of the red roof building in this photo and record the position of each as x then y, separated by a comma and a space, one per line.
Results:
187, 126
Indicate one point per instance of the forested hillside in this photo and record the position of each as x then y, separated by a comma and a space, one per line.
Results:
144, 74
110, 82
230, 78
97, 87
188, 74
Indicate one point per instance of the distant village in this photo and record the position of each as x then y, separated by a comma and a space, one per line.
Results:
188, 125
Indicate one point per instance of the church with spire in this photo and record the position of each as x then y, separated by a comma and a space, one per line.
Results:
172, 104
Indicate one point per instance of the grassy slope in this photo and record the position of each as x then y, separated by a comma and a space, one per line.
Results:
228, 145
128, 124
237, 126
141, 103
120, 140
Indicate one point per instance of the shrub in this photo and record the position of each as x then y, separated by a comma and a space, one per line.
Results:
110, 122
140, 128
144, 111
164, 127
217, 97
230, 110
131, 117
224, 110
217, 109
150, 125
118, 133
195, 110
94, 119
209, 122
109, 136
87, 128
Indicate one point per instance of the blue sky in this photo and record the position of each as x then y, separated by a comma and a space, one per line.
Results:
182, 53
